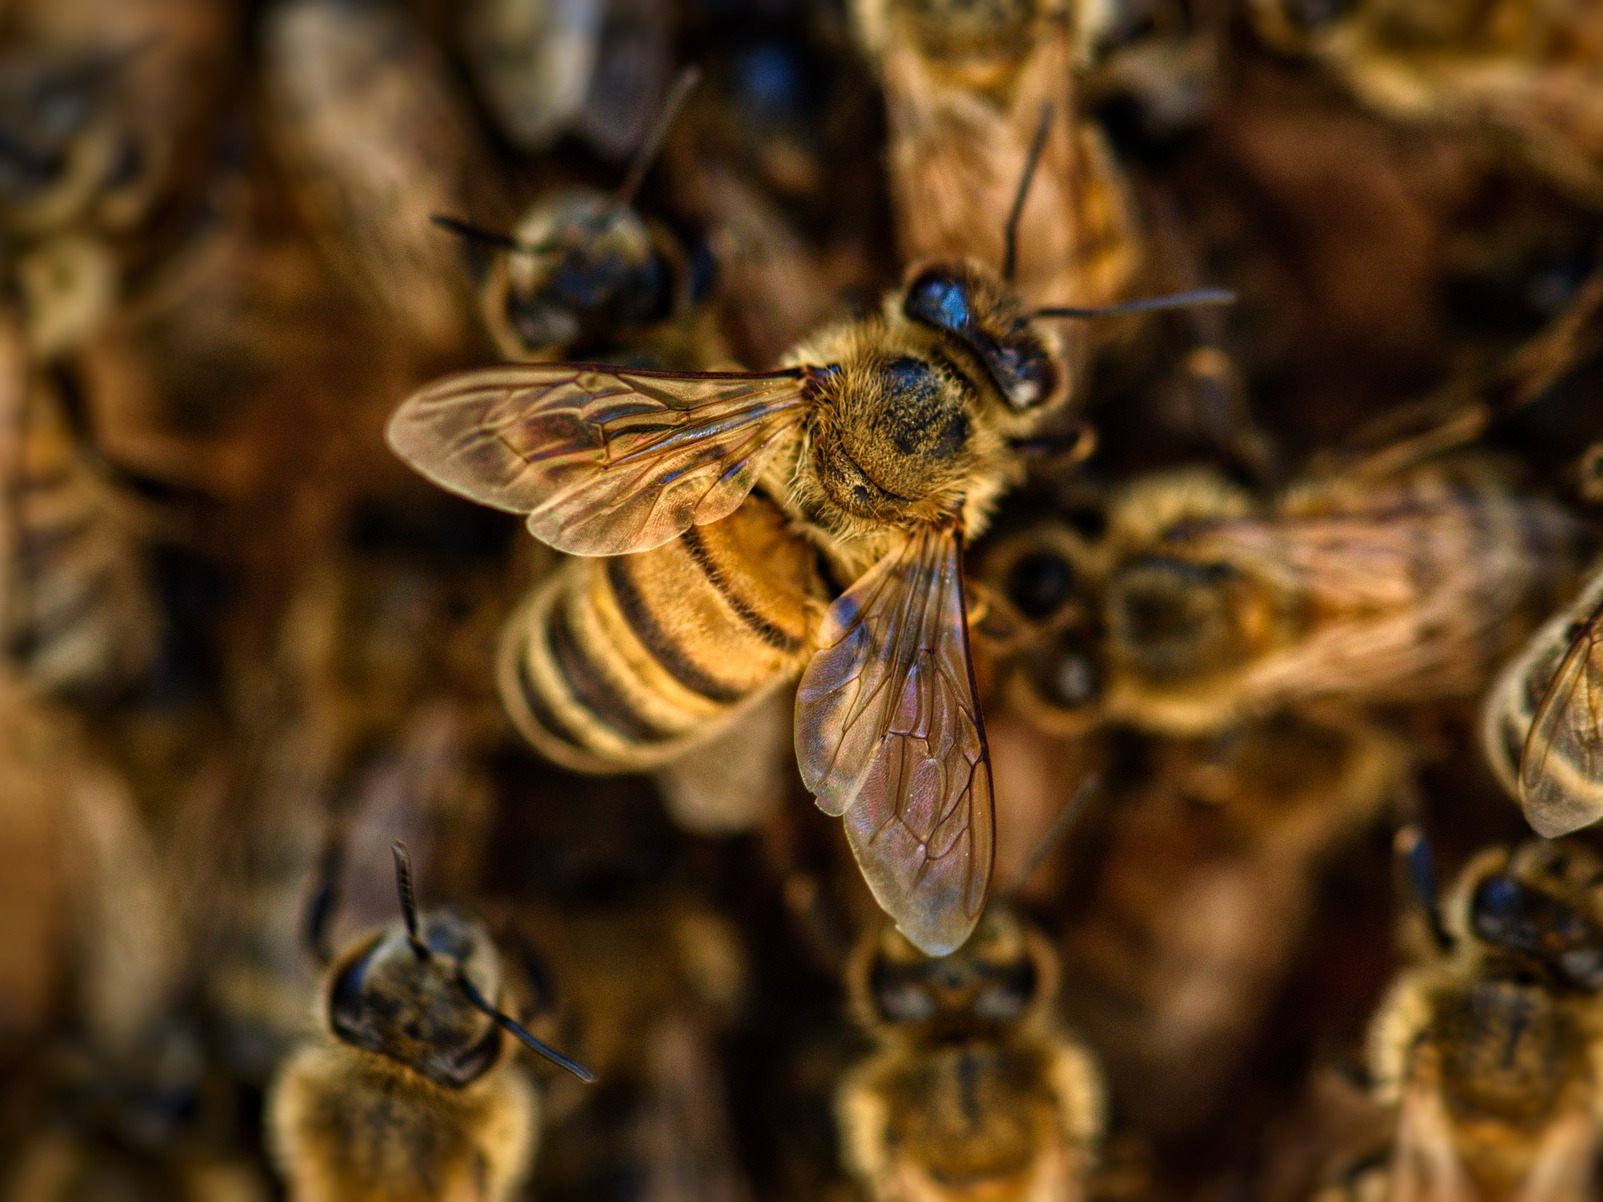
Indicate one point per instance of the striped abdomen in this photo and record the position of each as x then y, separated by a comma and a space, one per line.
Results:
620, 664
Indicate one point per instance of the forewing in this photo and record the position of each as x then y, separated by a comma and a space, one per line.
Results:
604, 461
1561, 768
888, 734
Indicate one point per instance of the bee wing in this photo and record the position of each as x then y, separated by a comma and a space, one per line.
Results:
604, 461
1561, 768
1425, 1165
888, 734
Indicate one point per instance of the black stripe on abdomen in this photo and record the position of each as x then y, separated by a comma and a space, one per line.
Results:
659, 643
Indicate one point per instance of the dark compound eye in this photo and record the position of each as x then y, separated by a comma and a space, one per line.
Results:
1316, 14
937, 299
1039, 584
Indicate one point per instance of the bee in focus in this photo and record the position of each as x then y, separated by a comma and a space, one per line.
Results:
973, 1090
373, 140
1526, 77
1488, 1048
411, 1093
584, 270
1198, 605
965, 87
1542, 725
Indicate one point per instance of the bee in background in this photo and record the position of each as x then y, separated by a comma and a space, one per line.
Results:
1198, 605
1541, 726
596, 68
1487, 1049
78, 611
1525, 77
584, 271
966, 86
973, 1090
411, 1093
372, 140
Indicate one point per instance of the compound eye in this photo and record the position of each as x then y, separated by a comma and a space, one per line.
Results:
938, 298
1040, 584
1314, 15
899, 996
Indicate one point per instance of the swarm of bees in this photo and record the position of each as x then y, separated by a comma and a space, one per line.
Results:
1135, 466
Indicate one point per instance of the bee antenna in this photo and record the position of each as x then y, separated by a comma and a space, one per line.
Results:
507, 1023
1419, 869
1010, 232
325, 898
1195, 299
479, 233
1066, 820
403, 886
647, 154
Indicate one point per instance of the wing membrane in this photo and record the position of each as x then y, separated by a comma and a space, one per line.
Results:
1561, 768
604, 461
888, 734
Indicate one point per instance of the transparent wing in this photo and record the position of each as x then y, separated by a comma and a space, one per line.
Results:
1561, 768
888, 734
604, 461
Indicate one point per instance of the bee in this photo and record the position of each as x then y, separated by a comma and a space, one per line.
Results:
80, 615
965, 86
583, 269
1540, 726
373, 140
596, 67
1524, 76
972, 1089
411, 1092
1198, 605
1486, 1050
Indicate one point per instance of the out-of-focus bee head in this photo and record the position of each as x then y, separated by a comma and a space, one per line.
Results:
1172, 618
592, 269
1003, 976
1537, 907
970, 306
388, 997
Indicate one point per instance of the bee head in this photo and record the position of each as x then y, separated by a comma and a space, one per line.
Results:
978, 314
1538, 906
587, 265
1003, 975
1170, 618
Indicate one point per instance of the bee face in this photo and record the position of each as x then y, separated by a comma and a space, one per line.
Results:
1539, 906
999, 977
598, 271
387, 1000
1173, 619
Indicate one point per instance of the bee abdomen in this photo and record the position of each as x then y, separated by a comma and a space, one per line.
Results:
620, 664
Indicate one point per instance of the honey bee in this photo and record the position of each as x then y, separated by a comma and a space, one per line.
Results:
373, 141
965, 85
1540, 725
884, 442
583, 269
1198, 605
597, 67
411, 1093
80, 616
973, 1090
1487, 1049
1526, 76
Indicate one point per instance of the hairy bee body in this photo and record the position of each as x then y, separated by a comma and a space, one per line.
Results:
615, 664
974, 1092
1492, 1049
1404, 590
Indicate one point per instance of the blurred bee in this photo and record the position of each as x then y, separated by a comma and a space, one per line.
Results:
883, 442
583, 271
411, 1093
965, 85
1541, 725
973, 1090
1177, 961
373, 141
1488, 1048
1526, 76
79, 614
596, 67
1197, 605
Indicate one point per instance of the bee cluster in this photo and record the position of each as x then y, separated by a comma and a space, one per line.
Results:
1053, 522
